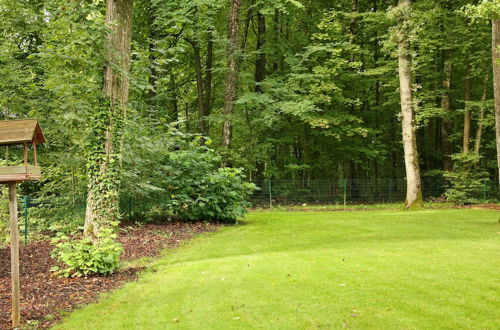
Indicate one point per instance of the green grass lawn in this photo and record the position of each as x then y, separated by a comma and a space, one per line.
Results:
307, 270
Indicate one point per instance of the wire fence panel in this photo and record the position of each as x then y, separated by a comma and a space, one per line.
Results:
287, 192
269, 193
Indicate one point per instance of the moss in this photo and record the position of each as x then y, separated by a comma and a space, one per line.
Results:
417, 204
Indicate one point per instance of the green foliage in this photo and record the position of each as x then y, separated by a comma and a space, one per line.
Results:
205, 192
486, 9
327, 107
182, 173
467, 179
84, 257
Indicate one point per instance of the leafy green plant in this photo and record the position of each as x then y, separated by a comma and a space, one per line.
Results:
219, 194
85, 257
182, 174
466, 180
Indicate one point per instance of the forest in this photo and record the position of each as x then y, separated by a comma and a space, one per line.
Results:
129, 126
187, 103
284, 89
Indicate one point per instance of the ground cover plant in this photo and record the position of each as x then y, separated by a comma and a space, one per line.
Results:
381, 269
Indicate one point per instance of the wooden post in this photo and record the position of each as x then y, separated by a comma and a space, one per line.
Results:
35, 160
26, 159
14, 255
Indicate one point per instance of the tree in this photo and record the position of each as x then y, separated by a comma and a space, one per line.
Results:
413, 181
495, 43
489, 9
104, 160
232, 72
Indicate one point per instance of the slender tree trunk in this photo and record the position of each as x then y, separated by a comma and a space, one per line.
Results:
246, 26
468, 98
496, 83
104, 165
153, 76
446, 105
413, 181
174, 111
480, 119
260, 63
199, 87
208, 82
186, 114
232, 74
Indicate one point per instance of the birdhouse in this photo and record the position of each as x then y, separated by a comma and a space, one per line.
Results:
21, 132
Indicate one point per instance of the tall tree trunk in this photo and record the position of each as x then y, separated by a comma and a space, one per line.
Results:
208, 82
446, 105
480, 119
186, 114
414, 187
260, 63
468, 98
199, 87
104, 165
246, 26
232, 74
153, 74
495, 43
174, 111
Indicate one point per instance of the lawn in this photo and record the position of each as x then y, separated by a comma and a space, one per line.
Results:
306, 270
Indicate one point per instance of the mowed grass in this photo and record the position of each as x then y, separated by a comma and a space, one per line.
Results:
309, 270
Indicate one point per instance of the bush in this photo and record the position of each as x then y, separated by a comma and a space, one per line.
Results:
466, 180
197, 189
180, 175
84, 257
217, 195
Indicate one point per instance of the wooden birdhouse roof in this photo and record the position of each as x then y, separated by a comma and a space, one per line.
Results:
19, 131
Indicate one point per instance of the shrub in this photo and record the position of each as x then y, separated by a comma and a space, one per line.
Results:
220, 194
179, 175
84, 257
466, 179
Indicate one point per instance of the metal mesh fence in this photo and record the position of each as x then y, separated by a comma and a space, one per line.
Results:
287, 192
270, 193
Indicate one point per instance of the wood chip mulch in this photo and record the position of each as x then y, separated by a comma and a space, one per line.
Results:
44, 297
490, 206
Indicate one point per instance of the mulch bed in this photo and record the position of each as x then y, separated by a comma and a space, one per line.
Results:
490, 206
44, 296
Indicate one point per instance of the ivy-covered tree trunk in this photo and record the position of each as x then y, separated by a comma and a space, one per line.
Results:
496, 82
106, 139
413, 182
232, 73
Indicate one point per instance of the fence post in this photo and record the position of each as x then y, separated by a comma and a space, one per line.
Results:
345, 193
484, 190
25, 213
270, 195
390, 190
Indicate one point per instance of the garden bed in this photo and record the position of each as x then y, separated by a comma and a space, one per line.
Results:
44, 297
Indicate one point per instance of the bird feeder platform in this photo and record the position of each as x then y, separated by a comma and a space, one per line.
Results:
21, 132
